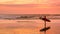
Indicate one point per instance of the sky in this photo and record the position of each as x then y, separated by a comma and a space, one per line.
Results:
29, 6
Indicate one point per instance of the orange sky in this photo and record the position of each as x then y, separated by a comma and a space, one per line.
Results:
29, 6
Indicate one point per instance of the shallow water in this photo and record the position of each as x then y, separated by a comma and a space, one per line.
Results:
28, 27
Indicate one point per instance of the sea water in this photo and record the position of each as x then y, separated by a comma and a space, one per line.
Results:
28, 26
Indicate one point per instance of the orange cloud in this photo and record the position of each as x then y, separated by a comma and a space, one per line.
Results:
18, 1
29, 1
40, 7
29, 9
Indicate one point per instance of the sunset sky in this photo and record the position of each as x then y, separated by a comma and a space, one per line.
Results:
29, 6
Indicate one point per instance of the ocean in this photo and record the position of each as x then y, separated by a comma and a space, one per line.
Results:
28, 26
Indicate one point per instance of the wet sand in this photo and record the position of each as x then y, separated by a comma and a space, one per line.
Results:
28, 28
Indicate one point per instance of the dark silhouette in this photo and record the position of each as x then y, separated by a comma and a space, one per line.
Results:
45, 19
45, 29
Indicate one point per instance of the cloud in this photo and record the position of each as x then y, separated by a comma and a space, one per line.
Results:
19, 2
29, 1
29, 9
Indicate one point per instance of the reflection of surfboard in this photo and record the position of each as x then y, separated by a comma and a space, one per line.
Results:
45, 29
